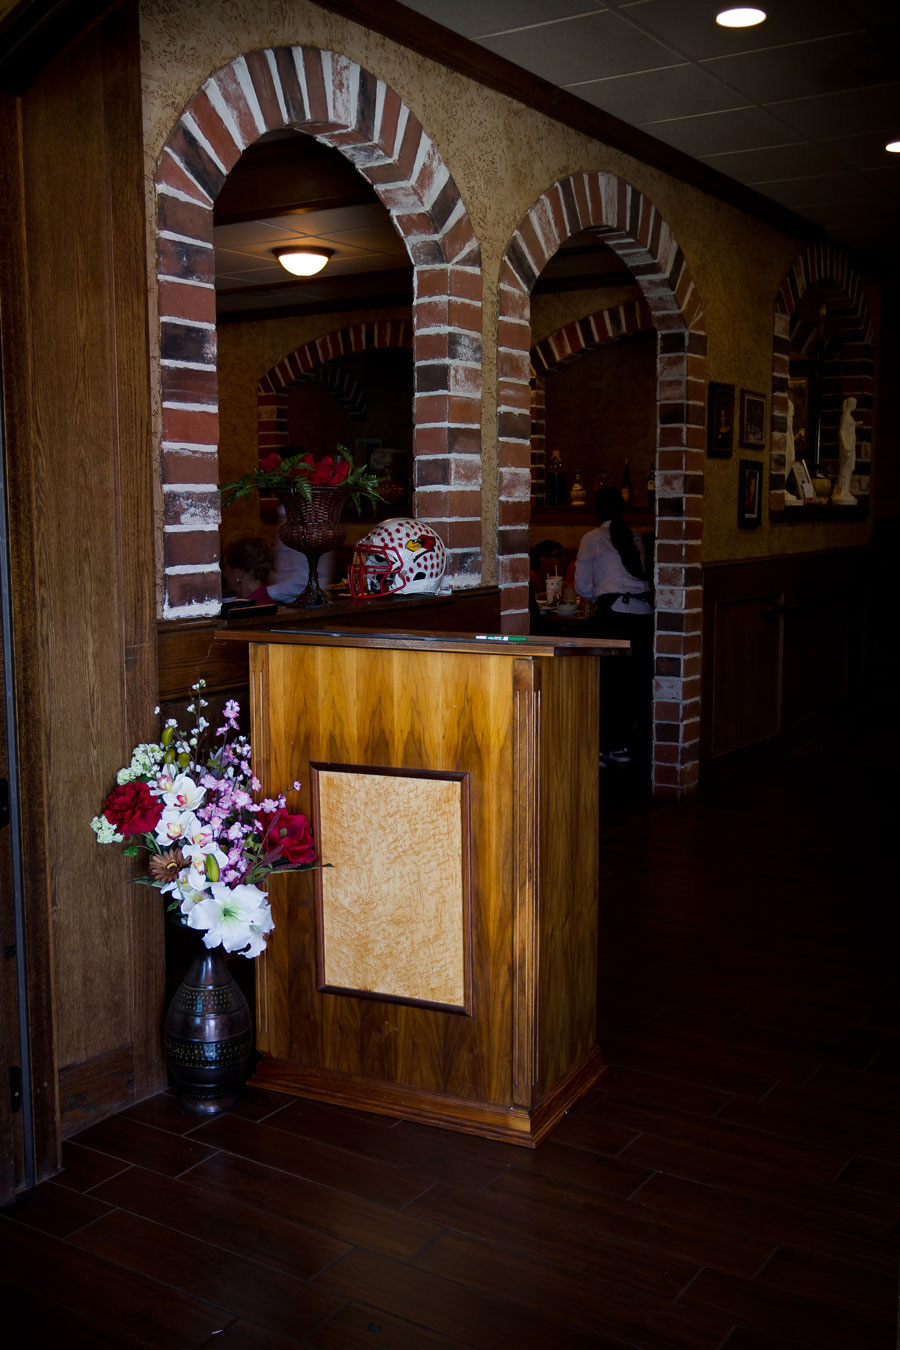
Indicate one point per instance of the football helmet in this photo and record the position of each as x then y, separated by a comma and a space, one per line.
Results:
399, 557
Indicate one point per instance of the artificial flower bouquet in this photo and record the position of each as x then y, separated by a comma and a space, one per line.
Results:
297, 475
189, 802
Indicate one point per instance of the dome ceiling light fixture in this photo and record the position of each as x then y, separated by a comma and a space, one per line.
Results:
303, 262
743, 17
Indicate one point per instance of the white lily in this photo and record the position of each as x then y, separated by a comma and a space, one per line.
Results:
237, 917
176, 826
198, 854
184, 794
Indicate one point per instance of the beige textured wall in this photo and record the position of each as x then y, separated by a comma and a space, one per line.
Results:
503, 156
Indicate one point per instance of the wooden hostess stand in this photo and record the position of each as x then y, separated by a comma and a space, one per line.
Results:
444, 969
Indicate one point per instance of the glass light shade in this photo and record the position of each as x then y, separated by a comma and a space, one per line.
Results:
893, 147
303, 262
740, 18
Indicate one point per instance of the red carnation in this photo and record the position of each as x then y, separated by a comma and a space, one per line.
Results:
340, 473
132, 809
296, 845
321, 475
270, 463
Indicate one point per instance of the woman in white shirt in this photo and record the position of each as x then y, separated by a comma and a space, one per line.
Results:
610, 570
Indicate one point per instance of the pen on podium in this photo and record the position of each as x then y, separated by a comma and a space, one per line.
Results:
500, 637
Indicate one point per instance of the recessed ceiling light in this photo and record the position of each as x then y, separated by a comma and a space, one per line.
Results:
740, 18
303, 262
893, 147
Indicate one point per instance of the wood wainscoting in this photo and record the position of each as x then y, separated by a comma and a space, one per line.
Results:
782, 652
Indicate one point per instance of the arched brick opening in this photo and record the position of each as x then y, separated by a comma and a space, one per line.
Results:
567, 343
848, 360
317, 358
330, 97
634, 229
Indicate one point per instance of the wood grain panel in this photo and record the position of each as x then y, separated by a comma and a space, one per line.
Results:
29, 689
84, 606
440, 712
392, 908
746, 687
521, 723
568, 813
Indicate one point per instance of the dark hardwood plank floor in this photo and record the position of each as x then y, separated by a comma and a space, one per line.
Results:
732, 1181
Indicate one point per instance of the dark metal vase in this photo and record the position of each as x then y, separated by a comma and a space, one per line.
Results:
208, 1036
313, 528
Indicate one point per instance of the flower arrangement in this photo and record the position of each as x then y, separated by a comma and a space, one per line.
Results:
297, 475
189, 802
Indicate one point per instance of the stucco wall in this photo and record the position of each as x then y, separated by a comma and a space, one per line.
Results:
502, 157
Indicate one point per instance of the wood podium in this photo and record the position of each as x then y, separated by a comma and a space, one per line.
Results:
443, 968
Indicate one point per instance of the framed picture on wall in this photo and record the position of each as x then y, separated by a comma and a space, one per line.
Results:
750, 487
720, 420
753, 420
798, 393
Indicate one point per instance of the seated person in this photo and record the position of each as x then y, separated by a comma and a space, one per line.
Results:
544, 557
290, 570
610, 571
246, 564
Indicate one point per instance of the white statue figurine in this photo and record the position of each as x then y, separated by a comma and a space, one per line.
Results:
790, 454
847, 442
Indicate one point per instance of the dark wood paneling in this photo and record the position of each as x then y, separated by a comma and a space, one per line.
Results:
29, 692
783, 645
82, 546
95, 1088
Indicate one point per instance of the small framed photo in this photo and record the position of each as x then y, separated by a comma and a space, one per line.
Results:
720, 420
753, 420
750, 494
804, 482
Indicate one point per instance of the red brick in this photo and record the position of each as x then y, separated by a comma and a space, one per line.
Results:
171, 173
197, 428
464, 534
187, 385
216, 133
432, 281
182, 466
179, 300
185, 548
193, 587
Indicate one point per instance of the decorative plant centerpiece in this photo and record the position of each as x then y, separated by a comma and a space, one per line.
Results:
190, 803
313, 493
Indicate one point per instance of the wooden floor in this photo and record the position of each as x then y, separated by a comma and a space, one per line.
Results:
734, 1179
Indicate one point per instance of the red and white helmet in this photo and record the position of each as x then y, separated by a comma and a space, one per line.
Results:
399, 557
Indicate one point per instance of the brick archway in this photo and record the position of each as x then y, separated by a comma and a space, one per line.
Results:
566, 344
849, 357
311, 358
634, 229
330, 97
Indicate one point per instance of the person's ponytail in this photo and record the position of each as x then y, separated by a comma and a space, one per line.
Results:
608, 505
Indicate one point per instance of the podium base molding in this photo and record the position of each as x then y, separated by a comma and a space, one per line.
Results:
492, 1120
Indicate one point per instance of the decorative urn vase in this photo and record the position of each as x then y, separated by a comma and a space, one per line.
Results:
313, 528
208, 1036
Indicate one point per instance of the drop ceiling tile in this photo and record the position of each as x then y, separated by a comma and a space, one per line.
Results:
850, 112
738, 129
866, 151
587, 48
477, 18
653, 95
690, 26
252, 232
779, 161
371, 214
846, 62
804, 193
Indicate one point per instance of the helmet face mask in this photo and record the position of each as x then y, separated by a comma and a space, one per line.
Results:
399, 556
